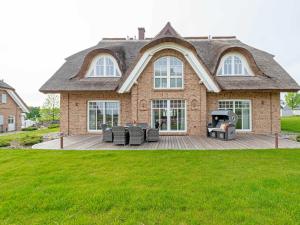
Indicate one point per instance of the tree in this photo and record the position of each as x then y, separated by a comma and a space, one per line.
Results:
50, 110
34, 113
292, 100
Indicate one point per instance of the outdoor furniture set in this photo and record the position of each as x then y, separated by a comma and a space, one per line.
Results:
130, 134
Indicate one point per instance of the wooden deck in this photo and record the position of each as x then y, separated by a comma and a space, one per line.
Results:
243, 141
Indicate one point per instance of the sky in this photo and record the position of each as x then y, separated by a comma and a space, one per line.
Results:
36, 36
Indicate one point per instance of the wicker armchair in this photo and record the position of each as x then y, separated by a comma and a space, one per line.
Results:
152, 134
121, 135
107, 134
136, 135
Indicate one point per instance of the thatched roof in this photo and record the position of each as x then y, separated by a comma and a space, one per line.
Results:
269, 74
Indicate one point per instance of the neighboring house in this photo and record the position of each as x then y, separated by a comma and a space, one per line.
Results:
287, 111
173, 80
12, 109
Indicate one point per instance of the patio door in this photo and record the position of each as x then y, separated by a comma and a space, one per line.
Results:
11, 123
169, 114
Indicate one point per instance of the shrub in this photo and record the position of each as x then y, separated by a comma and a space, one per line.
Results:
30, 140
29, 128
53, 126
298, 138
4, 143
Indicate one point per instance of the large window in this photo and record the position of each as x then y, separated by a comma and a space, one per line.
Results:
104, 66
234, 64
242, 108
169, 115
168, 73
100, 112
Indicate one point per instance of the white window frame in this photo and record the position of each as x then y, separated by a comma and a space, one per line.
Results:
245, 65
250, 111
11, 119
168, 77
169, 117
104, 119
92, 69
3, 98
1, 120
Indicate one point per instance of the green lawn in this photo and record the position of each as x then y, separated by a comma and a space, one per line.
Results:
150, 187
290, 124
19, 135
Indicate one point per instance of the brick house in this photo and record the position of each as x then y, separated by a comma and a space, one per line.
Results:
12, 109
173, 80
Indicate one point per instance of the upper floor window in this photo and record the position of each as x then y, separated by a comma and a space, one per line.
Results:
104, 66
234, 64
3, 98
168, 73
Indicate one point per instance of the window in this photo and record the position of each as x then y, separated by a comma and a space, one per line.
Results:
104, 66
3, 98
1, 120
234, 64
243, 110
169, 115
168, 73
11, 120
100, 112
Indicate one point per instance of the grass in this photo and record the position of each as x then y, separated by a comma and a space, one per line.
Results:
150, 187
290, 124
23, 134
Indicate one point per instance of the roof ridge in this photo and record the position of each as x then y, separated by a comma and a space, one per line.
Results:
168, 31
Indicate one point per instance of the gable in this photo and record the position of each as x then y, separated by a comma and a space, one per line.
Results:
190, 57
18, 101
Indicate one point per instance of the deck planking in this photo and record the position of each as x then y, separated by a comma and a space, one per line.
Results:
243, 141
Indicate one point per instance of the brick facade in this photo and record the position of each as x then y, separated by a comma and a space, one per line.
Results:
74, 109
136, 106
265, 108
10, 108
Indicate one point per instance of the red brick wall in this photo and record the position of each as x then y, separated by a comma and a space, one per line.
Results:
265, 108
74, 109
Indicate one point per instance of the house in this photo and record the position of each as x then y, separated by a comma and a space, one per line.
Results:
172, 81
12, 109
287, 111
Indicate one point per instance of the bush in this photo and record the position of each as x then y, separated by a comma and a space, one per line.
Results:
4, 143
29, 128
53, 126
30, 140
298, 138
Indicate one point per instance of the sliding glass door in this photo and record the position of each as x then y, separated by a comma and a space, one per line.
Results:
100, 112
169, 115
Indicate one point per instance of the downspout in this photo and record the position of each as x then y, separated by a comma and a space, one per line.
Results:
68, 113
137, 102
271, 116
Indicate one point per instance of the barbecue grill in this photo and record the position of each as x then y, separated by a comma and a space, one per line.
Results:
222, 125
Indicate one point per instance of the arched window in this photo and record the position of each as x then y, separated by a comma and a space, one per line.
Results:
104, 66
233, 64
168, 73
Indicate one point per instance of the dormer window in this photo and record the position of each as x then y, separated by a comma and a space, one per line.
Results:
104, 65
234, 64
